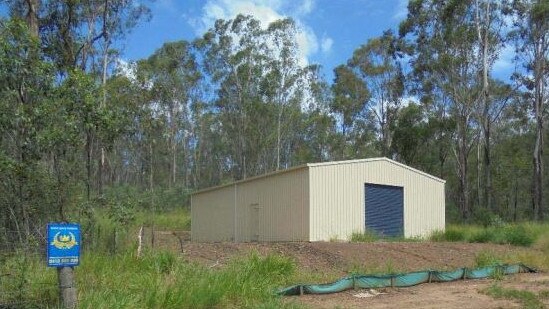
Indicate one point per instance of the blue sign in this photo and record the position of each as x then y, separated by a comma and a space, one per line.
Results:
63, 244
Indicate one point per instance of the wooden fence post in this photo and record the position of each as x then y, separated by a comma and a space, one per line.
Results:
67, 287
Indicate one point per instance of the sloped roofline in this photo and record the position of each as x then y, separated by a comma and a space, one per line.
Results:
320, 164
377, 159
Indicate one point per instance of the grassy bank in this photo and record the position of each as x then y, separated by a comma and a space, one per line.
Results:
531, 235
521, 234
156, 280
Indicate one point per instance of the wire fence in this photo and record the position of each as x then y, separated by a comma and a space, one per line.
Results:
21, 286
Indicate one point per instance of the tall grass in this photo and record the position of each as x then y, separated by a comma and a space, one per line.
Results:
175, 219
163, 280
523, 234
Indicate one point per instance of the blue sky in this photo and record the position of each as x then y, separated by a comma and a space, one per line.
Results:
330, 30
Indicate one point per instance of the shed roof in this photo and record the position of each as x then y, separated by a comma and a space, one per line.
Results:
377, 159
320, 164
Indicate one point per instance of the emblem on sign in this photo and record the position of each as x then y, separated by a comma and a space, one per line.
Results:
64, 241
63, 244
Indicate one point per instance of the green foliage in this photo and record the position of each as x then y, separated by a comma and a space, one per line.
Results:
486, 258
451, 233
366, 236
528, 299
512, 234
524, 234
25, 280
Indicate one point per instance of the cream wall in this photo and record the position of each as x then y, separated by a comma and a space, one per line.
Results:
337, 197
212, 215
283, 207
316, 202
282, 202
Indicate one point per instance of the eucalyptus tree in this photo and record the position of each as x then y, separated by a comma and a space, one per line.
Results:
285, 82
379, 67
350, 99
259, 87
531, 34
445, 42
80, 35
490, 26
25, 83
174, 77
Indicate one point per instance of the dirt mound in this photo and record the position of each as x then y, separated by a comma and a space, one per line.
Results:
337, 258
333, 260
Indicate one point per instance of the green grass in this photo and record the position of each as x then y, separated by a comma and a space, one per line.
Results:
158, 280
487, 258
528, 300
522, 234
370, 236
366, 236
177, 219
527, 234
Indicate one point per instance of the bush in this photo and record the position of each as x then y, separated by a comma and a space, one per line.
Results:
517, 235
486, 258
482, 236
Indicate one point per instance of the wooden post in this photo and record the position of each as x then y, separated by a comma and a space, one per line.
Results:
67, 287
140, 241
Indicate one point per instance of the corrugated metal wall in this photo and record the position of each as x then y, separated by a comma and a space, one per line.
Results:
271, 208
317, 202
212, 215
337, 197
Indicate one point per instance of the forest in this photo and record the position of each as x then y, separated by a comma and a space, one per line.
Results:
79, 127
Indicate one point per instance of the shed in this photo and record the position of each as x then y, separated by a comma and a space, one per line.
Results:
321, 202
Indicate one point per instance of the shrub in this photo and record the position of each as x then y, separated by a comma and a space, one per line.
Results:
486, 258
517, 235
482, 236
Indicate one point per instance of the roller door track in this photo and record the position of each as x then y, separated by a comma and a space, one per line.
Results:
384, 209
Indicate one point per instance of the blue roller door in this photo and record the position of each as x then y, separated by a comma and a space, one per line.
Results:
384, 209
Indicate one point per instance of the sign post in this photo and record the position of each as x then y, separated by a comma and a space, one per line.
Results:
63, 252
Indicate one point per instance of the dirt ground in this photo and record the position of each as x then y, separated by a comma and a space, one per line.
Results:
333, 260
450, 295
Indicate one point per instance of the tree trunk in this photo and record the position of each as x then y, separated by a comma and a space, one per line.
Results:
539, 73
487, 169
463, 172
33, 7
538, 164
89, 141
106, 38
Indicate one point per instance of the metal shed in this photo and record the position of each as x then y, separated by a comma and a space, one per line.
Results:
321, 202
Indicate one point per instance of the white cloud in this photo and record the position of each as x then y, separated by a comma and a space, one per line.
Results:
266, 11
326, 45
306, 7
401, 10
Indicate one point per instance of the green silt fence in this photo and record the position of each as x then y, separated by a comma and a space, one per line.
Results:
403, 280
